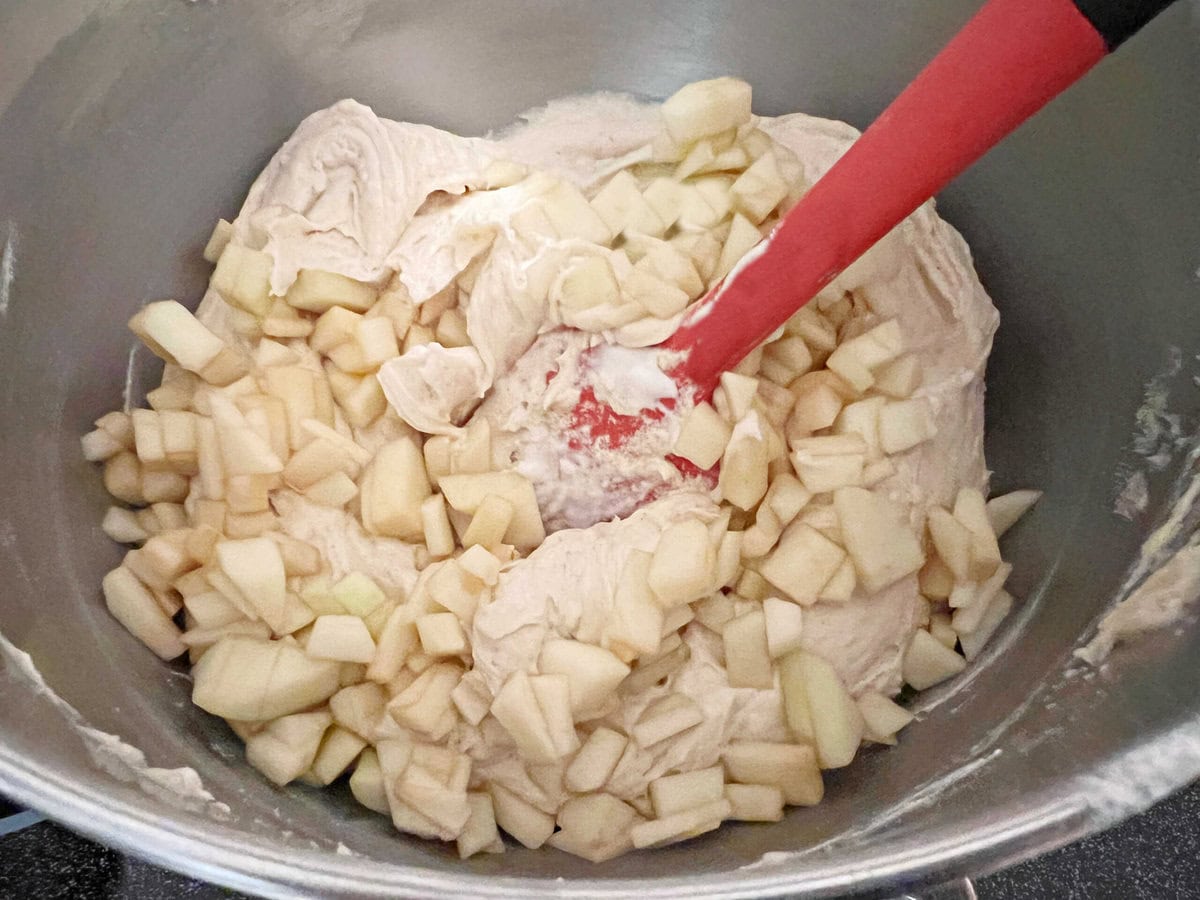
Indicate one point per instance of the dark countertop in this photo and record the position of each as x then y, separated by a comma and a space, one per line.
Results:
1155, 856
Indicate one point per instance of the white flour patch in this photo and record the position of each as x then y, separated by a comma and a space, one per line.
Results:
8, 268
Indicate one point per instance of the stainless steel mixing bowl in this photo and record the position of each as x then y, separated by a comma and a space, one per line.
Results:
128, 126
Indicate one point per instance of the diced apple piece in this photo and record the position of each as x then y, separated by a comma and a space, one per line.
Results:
553, 693
941, 628
970, 509
900, 377
744, 478
681, 570
255, 568
877, 537
635, 627
243, 450
516, 708
743, 237
1004, 511
855, 359
572, 216
524, 822
784, 623
317, 291
735, 396
366, 784
358, 594
593, 674
671, 794
881, 716
905, 423
681, 826
134, 606
588, 284
760, 188
997, 610
840, 586
595, 827
174, 334
479, 834
802, 563
343, 638
339, 748
754, 802
821, 473
121, 525
593, 765
466, 493
358, 708
952, 541
747, 659
657, 297
425, 705
441, 634
336, 326
815, 409
243, 278
790, 767
472, 698
836, 722
480, 563
99, 446
705, 108
666, 717
252, 680
218, 240
286, 748
394, 485
669, 263
623, 208
490, 522
927, 662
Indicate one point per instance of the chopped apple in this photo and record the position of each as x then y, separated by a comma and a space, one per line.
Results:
900, 377
882, 717
790, 767
997, 610
837, 725
253, 680
905, 423
490, 522
635, 627
595, 827
877, 537
343, 638
516, 708
681, 569
970, 509
480, 563
472, 697
760, 188
394, 485
317, 291
441, 634
521, 820
1004, 511
553, 693
588, 284
286, 748
666, 717
593, 765
243, 278
855, 359
784, 622
466, 493
681, 826
941, 627
927, 662
218, 240
747, 658
735, 397
366, 784
743, 237
174, 334
802, 563
337, 753
744, 478
121, 525
359, 707
425, 705
479, 834
593, 674
952, 541
705, 108
243, 450
623, 208
255, 568
135, 607
671, 794
754, 802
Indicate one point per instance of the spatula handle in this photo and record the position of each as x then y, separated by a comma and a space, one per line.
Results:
1011, 59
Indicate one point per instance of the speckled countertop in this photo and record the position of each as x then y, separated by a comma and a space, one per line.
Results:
1155, 856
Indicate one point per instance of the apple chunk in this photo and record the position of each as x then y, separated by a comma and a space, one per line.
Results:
802, 563
681, 570
705, 108
928, 662
877, 537
593, 674
253, 680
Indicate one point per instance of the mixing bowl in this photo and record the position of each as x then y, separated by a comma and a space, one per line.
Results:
127, 127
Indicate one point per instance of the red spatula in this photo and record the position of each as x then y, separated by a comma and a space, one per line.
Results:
1010, 60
